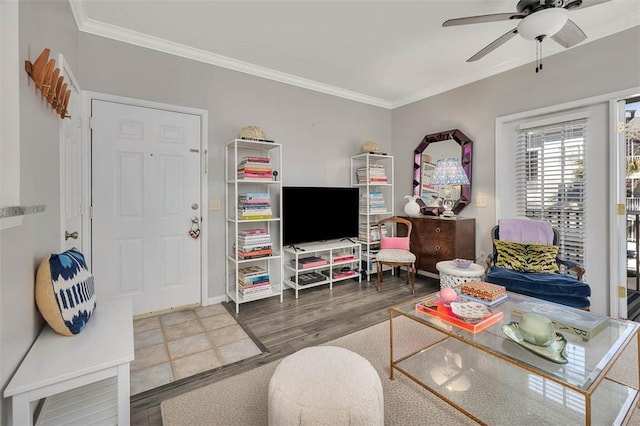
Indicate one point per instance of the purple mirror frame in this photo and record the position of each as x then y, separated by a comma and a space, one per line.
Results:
466, 153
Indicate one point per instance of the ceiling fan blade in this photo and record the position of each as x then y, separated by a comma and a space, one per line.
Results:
494, 45
569, 35
482, 18
581, 4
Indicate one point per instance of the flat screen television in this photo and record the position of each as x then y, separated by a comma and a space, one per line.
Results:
314, 213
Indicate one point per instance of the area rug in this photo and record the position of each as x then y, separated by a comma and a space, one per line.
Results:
242, 399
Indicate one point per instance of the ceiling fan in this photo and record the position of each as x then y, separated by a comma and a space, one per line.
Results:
538, 19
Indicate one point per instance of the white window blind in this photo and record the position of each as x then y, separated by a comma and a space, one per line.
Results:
550, 181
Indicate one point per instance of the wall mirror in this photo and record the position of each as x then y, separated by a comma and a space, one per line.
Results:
450, 143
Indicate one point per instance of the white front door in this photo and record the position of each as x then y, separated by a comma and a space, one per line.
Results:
71, 185
145, 198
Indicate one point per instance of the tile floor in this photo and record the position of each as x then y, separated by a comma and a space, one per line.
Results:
179, 344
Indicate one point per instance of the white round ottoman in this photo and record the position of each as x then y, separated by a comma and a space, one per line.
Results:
325, 385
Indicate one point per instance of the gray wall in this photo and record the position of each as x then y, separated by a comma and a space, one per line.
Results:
318, 132
42, 24
604, 66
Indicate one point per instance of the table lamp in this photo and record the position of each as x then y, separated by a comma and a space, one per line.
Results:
449, 172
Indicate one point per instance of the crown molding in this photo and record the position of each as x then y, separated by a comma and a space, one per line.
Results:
79, 13
114, 32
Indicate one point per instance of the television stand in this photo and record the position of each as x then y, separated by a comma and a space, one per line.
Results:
335, 260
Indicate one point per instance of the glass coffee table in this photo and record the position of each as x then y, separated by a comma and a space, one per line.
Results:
493, 379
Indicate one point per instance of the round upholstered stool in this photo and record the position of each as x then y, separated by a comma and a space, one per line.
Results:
325, 385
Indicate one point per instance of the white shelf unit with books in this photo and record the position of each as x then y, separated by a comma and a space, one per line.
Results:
253, 230
373, 175
321, 263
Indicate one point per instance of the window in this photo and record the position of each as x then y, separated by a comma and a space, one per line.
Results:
550, 180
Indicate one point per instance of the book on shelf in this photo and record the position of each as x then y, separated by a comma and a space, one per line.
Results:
255, 254
254, 196
254, 279
254, 287
576, 322
255, 247
253, 233
250, 202
256, 216
255, 211
434, 308
344, 274
254, 237
255, 159
256, 294
308, 278
343, 258
253, 241
309, 262
255, 172
254, 206
254, 284
261, 167
250, 271
258, 198
254, 176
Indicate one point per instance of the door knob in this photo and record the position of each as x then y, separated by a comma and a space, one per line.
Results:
73, 235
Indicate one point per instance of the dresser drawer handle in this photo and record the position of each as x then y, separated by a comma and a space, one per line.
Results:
438, 230
437, 248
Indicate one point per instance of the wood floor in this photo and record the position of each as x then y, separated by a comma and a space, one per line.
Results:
317, 316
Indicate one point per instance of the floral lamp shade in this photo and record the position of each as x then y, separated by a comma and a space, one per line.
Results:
449, 172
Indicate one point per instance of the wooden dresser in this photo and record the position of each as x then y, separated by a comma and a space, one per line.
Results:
434, 239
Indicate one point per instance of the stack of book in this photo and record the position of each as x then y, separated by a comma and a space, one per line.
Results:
254, 205
256, 168
253, 281
373, 174
370, 235
373, 202
254, 243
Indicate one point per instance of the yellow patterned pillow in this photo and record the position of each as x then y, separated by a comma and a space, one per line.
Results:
526, 257
542, 258
511, 255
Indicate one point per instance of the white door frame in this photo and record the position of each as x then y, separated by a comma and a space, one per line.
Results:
73, 82
88, 97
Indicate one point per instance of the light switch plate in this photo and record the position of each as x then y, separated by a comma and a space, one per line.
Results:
214, 204
481, 200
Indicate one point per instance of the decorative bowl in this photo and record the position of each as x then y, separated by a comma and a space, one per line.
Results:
462, 263
470, 311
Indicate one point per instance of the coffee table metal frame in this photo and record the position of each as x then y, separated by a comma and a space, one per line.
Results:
619, 332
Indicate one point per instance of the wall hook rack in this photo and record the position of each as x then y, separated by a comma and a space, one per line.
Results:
48, 80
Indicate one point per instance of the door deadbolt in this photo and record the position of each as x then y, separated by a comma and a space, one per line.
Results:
194, 206
72, 235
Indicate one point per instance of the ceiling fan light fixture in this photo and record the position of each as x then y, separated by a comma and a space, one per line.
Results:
546, 22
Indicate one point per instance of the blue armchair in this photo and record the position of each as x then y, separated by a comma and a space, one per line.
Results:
554, 287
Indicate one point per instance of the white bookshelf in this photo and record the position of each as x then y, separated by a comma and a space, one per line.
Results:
236, 223
365, 168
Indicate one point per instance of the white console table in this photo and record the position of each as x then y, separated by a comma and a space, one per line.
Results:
84, 378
